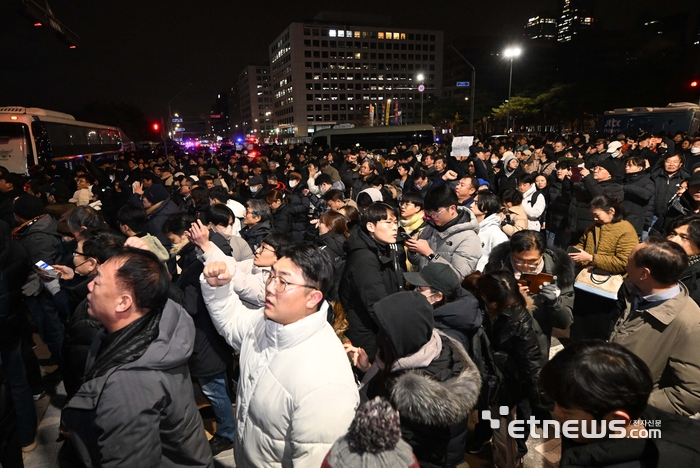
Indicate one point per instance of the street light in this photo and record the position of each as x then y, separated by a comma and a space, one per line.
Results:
472, 89
420, 78
510, 53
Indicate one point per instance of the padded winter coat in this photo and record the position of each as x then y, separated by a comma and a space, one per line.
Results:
615, 243
458, 246
296, 393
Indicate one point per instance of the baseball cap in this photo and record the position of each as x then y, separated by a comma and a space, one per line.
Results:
614, 146
439, 276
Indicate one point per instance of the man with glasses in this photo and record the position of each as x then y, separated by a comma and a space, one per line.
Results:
451, 235
296, 394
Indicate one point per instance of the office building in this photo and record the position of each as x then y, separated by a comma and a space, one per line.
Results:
541, 27
254, 107
326, 72
576, 18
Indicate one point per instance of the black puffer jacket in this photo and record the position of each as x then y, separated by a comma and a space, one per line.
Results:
372, 272
211, 354
639, 192
157, 218
518, 345
580, 216
254, 235
665, 188
556, 263
558, 201
282, 219
460, 318
299, 211
14, 264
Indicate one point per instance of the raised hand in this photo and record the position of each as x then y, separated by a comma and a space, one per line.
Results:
216, 274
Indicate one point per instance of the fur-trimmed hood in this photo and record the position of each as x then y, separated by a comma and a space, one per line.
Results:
556, 262
424, 400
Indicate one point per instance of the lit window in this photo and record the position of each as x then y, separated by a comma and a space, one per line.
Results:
357, 34
332, 33
348, 33
341, 33
380, 35
358, 55
388, 35
396, 36
403, 36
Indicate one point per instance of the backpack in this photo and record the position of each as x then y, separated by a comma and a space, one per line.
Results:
491, 377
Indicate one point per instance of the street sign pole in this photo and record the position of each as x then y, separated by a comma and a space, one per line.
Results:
421, 90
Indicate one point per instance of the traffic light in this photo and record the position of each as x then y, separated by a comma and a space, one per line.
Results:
155, 126
694, 83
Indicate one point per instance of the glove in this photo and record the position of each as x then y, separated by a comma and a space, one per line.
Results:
33, 286
53, 286
549, 293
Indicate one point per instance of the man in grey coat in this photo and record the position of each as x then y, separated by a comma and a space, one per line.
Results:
660, 323
136, 406
451, 235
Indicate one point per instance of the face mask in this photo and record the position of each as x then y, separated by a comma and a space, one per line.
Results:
254, 189
293, 183
227, 232
695, 150
494, 161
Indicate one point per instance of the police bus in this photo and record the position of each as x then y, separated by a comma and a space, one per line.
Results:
30, 136
374, 138
677, 116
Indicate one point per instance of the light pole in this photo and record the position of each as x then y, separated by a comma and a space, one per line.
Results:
472, 88
510, 53
170, 115
420, 78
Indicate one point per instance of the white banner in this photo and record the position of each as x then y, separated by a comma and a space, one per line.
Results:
461, 145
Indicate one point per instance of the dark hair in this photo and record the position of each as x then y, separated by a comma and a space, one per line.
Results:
440, 197
525, 240
352, 214
413, 197
279, 242
336, 222
548, 152
606, 203
420, 174
102, 244
665, 260
218, 193
376, 212
406, 166
598, 377
260, 208
178, 223
636, 161
144, 275
87, 176
512, 196
364, 199
199, 196
334, 195
276, 195
133, 217
374, 180
527, 178
219, 214
13, 179
565, 164
499, 287
84, 216
315, 264
693, 223
323, 179
488, 203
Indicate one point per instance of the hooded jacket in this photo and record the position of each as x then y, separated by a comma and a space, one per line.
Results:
557, 263
157, 218
457, 243
296, 394
282, 219
142, 413
639, 193
371, 273
491, 235
534, 204
433, 398
40, 240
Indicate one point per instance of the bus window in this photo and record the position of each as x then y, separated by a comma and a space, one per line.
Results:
15, 148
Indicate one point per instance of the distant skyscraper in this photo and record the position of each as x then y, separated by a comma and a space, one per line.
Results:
575, 18
541, 27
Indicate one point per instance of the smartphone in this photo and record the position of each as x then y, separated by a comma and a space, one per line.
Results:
45, 269
402, 237
43, 265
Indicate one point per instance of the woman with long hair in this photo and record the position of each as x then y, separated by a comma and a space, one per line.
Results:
281, 213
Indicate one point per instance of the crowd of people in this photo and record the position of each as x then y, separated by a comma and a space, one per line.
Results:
302, 283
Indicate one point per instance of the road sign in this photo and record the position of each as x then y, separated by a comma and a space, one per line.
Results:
463, 84
180, 129
421, 88
177, 120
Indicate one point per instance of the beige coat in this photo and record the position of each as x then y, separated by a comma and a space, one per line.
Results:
518, 216
666, 338
615, 243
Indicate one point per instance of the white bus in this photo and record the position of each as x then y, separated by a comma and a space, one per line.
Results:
375, 138
30, 136
677, 116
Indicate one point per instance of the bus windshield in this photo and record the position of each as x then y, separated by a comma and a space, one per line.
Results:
15, 148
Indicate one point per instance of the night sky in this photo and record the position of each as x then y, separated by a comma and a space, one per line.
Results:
144, 52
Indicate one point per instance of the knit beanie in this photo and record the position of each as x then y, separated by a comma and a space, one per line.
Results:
155, 193
28, 207
373, 440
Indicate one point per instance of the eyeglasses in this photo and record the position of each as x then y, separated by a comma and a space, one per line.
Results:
75, 252
281, 284
435, 214
530, 264
262, 247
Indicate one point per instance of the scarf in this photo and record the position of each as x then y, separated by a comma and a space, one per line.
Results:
412, 224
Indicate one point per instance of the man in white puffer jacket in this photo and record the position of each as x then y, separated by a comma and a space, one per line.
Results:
296, 392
